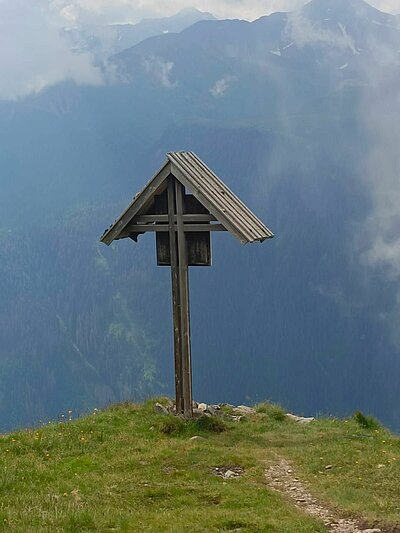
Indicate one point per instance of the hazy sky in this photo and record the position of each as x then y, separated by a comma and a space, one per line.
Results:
134, 10
34, 55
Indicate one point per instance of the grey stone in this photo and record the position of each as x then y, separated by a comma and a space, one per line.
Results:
234, 418
244, 410
300, 419
160, 409
229, 474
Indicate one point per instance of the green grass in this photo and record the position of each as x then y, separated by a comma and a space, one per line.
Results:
121, 470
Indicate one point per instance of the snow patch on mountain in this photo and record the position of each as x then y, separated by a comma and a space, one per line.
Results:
348, 39
306, 32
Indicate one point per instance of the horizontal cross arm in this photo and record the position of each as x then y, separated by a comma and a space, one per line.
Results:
143, 228
144, 219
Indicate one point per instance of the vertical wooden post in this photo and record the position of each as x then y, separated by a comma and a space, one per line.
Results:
184, 303
175, 297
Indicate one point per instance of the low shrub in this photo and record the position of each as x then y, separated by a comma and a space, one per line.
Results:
171, 425
365, 421
213, 424
272, 410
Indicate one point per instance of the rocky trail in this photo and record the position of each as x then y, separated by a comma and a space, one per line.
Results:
281, 478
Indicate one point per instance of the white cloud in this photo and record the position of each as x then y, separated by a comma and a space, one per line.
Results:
134, 10
382, 172
33, 53
69, 13
388, 6
161, 70
220, 87
302, 31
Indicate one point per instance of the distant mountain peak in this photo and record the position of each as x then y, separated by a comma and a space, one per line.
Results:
318, 8
193, 11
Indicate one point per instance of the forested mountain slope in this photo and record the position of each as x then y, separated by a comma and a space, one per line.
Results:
297, 113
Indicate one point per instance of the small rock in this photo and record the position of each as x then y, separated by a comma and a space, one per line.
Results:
196, 437
300, 419
237, 418
246, 408
328, 467
243, 410
160, 409
202, 407
371, 530
229, 474
214, 410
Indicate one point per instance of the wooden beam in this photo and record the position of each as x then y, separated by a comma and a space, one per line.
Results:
145, 219
175, 298
184, 303
203, 195
146, 196
143, 228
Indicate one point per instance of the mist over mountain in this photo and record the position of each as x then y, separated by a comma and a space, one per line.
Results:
103, 41
298, 113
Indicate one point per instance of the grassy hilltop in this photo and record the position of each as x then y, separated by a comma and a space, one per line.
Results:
128, 469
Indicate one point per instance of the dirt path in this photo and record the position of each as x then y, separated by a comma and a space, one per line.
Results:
281, 478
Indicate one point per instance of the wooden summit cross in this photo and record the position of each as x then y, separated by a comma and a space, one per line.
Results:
183, 224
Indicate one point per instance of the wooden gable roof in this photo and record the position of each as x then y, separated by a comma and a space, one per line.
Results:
209, 190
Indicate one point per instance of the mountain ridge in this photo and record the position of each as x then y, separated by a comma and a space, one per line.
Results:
300, 133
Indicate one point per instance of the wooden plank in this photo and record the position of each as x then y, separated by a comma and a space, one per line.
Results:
175, 298
145, 219
184, 301
198, 247
228, 205
198, 244
143, 228
140, 202
202, 196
